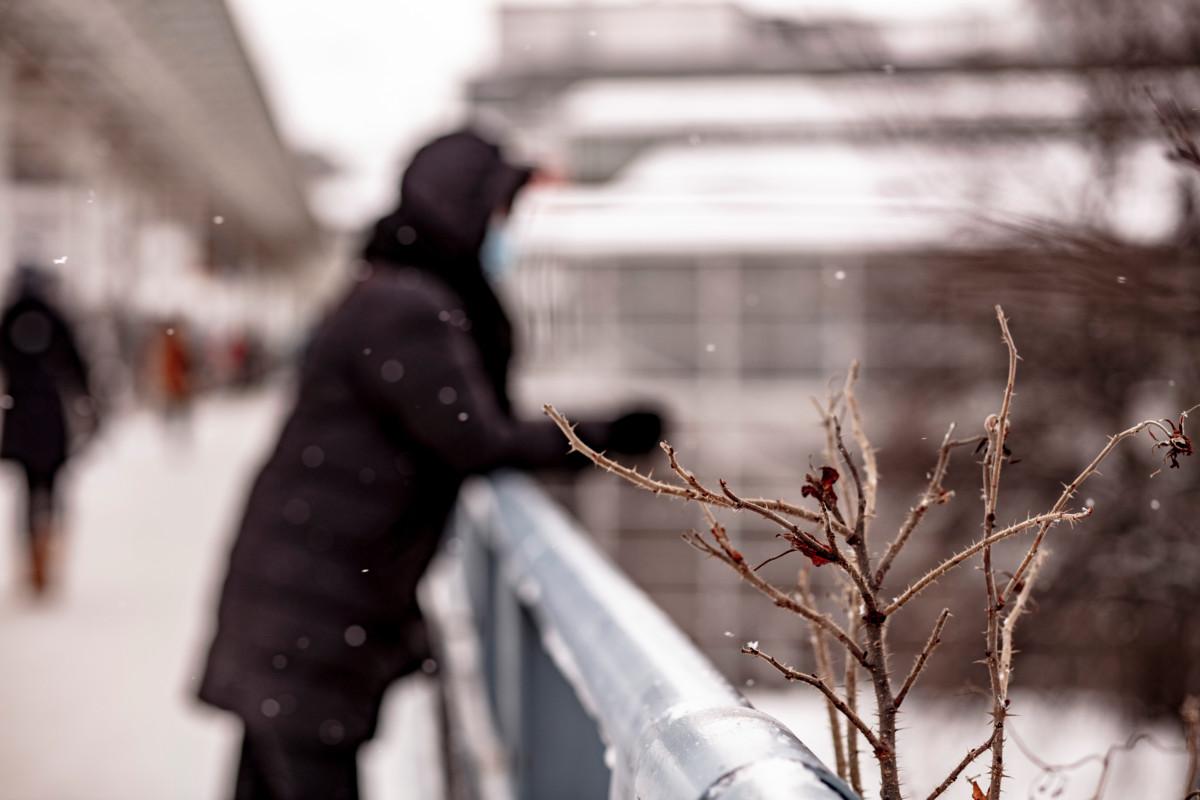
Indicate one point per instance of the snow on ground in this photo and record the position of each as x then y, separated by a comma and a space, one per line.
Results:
96, 685
1058, 729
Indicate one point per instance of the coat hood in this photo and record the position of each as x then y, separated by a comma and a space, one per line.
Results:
447, 196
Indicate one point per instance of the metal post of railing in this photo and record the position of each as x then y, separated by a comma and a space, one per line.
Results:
479, 568
579, 658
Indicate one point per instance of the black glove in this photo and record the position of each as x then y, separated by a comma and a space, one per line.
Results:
635, 432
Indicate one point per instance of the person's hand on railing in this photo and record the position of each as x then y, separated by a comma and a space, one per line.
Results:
638, 430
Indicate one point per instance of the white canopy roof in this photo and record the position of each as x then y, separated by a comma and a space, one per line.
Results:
795, 198
173, 74
800, 104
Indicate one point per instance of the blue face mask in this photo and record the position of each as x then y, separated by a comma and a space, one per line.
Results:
498, 254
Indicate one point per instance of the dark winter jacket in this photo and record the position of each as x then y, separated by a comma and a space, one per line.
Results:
401, 395
43, 371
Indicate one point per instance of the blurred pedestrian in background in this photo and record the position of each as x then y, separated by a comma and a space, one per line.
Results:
46, 387
171, 366
403, 392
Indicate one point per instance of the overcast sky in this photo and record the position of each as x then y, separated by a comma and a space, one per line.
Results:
364, 81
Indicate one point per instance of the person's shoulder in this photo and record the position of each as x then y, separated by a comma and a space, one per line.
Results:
403, 294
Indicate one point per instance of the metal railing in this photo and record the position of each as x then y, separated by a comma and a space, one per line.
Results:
591, 690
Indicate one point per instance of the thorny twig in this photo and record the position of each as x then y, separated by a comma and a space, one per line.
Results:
1020, 576
851, 687
803, 541
997, 429
870, 464
1025, 576
953, 561
793, 674
725, 552
971, 755
934, 494
923, 656
858, 537
825, 669
826, 413
661, 488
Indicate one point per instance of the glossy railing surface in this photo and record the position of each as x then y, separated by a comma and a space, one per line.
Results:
593, 691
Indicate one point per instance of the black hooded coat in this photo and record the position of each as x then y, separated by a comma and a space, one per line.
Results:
401, 395
43, 371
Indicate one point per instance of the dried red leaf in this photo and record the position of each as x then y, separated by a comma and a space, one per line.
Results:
816, 558
976, 792
819, 556
1177, 443
822, 488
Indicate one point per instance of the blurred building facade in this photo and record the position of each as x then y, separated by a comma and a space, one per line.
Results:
758, 200
140, 164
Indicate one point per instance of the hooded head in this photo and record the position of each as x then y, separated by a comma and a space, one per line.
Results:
449, 193
31, 279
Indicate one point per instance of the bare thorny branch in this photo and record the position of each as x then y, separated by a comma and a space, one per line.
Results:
870, 465
966, 761
996, 427
934, 494
662, 488
793, 674
841, 538
853, 764
923, 656
825, 669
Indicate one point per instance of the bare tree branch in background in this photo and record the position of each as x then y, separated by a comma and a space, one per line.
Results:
1053, 779
1190, 713
1174, 123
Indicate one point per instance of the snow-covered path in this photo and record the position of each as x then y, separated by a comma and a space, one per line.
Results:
1060, 728
95, 685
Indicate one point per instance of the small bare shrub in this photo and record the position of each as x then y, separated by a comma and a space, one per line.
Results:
835, 529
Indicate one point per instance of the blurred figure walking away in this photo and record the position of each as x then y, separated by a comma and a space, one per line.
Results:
171, 365
403, 393
46, 386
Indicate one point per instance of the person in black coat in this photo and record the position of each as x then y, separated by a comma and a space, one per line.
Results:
44, 375
402, 394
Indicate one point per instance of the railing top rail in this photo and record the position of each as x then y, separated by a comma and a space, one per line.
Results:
674, 726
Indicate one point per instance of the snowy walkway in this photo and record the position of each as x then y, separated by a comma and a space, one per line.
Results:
1060, 729
95, 686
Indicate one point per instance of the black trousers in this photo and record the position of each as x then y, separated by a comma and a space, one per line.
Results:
272, 768
41, 501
